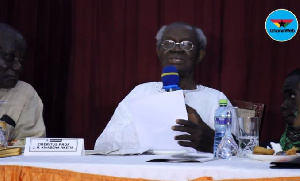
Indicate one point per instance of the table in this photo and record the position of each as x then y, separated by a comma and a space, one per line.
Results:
134, 167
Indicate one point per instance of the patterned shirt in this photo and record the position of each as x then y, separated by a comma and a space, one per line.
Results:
290, 138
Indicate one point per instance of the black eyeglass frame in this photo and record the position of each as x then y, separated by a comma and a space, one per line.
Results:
181, 45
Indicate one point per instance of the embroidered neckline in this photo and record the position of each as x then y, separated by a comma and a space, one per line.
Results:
159, 85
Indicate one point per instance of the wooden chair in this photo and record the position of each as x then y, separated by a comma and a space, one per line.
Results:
248, 109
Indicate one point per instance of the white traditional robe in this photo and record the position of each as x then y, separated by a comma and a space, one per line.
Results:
120, 132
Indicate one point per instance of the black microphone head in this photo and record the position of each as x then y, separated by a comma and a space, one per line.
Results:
170, 78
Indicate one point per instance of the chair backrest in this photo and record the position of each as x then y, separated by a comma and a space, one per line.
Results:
248, 109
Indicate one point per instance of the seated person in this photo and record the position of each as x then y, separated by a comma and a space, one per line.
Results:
183, 46
21, 107
290, 109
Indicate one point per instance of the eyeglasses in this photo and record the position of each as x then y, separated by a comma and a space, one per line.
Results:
184, 45
10, 58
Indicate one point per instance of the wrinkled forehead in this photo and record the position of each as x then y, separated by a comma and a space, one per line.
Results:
291, 83
11, 41
179, 31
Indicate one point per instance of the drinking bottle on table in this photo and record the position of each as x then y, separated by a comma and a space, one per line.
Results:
222, 123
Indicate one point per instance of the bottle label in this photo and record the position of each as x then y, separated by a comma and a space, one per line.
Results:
222, 120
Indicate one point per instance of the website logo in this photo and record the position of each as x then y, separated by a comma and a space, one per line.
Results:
281, 25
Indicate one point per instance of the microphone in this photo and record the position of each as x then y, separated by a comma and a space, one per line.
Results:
170, 78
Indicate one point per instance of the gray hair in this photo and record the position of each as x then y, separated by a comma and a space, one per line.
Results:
159, 35
200, 37
5, 28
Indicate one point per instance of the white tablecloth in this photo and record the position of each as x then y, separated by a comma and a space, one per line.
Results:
137, 167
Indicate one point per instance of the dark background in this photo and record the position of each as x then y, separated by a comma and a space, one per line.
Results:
84, 56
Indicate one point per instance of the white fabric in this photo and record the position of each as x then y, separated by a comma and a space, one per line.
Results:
137, 167
120, 131
171, 107
25, 107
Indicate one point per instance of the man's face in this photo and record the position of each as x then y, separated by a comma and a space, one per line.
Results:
12, 52
184, 61
290, 93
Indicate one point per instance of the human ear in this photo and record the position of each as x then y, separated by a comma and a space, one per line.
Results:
201, 55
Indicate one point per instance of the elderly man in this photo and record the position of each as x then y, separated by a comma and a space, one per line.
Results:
183, 46
21, 106
290, 109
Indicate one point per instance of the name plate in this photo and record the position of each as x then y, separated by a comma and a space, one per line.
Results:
54, 146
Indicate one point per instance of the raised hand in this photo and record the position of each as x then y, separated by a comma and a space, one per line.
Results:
198, 135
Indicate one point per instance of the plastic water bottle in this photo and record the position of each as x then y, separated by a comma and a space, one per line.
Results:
222, 123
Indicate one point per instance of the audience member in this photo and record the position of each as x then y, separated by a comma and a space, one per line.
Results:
21, 107
290, 109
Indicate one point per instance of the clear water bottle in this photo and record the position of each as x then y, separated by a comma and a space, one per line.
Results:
222, 123
227, 146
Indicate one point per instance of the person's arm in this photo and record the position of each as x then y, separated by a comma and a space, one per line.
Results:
30, 122
119, 132
198, 134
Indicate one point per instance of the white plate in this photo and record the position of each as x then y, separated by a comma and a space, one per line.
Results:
273, 158
169, 152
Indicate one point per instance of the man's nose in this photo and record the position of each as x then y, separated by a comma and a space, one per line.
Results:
177, 47
288, 105
16, 65
284, 105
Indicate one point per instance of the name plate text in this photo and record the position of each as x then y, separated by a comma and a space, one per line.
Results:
54, 146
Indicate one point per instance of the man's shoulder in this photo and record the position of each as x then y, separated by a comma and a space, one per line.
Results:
144, 89
148, 85
25, 89
24, 85
148, 88
208, 90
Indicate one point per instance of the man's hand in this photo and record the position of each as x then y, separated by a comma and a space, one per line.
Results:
198, 134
